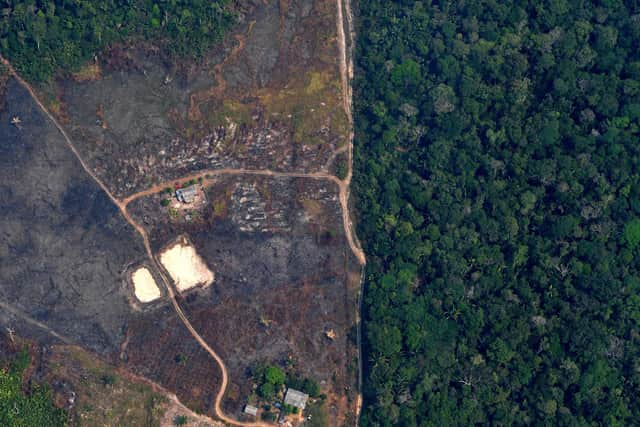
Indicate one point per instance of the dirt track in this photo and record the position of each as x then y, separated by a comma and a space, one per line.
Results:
343, 185
346, 74
18, 313
122, 207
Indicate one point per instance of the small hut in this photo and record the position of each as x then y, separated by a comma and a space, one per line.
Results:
250, 410
296, 398
187, 194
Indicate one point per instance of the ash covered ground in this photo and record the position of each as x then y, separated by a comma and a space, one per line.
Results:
65, 250
63, 243
269, 98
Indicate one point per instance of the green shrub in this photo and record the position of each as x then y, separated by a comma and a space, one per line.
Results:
342, 168
274, 375
632, 233
180, 420
267, 391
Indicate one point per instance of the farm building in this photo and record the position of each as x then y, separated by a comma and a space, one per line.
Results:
251, 410
296, 398
187, 194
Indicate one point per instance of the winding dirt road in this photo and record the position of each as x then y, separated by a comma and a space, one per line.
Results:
343, 193
123, 210
343, 186
127, 374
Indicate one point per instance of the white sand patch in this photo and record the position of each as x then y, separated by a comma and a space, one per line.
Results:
145, 286
185, 266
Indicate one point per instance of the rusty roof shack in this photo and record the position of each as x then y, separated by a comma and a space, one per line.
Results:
187, 194
296, 398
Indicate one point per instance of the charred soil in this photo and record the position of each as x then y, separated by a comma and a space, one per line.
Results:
284, 278
287, 276
268, 98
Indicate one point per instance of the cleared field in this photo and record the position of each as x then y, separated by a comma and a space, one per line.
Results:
284, 278
185, 266
144, 285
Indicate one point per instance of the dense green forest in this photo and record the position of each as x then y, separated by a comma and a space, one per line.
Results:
497, 172
42, 37
28, 409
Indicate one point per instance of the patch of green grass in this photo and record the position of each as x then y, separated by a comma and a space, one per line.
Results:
317, 82
20, 408
104, 397
317, 415
229, 111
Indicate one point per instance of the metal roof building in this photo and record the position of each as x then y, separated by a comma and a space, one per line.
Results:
251, 410
296, 398
187, 194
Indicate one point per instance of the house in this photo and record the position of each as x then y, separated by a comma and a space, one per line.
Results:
187, 194
296, 398
250, 410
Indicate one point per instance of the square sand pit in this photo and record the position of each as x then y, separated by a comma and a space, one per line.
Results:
185, 266
144, 285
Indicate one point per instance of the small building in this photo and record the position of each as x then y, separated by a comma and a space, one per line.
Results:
250, 410
296, 398
187, 194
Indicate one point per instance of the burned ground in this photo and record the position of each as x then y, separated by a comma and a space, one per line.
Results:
283, 277
160, 348
64, 254
270, 97
63, 244
286, 281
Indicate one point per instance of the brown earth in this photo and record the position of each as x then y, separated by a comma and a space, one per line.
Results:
278, 249
95, 392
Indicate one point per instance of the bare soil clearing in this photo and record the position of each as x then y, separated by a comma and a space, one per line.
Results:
145, 286
185, 266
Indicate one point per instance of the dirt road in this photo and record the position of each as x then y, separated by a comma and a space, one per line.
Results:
122, 207
343, 186
346, 74
19, 313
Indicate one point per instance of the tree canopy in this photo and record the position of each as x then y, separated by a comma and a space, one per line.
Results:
497, 174
42, 37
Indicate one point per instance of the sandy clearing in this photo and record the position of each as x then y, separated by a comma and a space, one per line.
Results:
185, 266
145, 287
